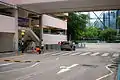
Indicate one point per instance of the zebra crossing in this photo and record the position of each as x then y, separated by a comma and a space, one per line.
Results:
66, 53
115, 55
105, 54
76, 53
94, 54
85, 53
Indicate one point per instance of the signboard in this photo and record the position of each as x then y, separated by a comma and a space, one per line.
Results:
23, 22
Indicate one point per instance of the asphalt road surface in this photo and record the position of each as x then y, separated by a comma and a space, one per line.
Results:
62, 65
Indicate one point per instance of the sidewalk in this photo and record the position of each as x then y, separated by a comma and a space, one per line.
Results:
7, 54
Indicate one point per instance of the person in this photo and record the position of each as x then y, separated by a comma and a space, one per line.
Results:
33, 46
42, 48
38, 50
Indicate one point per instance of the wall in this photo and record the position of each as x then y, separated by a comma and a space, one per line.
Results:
7, 24
6, 42
53, 22
53, 39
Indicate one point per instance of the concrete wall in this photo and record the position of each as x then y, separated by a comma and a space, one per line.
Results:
53, 22
6, 42
7, 24
53, 39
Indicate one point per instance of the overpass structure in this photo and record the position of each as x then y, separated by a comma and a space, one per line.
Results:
50, 6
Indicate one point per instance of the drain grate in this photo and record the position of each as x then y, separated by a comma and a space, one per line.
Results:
88, 65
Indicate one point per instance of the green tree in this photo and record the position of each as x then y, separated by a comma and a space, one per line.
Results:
76, 25
108, 34
118, 20
92, 32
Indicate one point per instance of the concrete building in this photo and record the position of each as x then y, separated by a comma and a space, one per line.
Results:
110, 18
53, 30
8, 29
14, 20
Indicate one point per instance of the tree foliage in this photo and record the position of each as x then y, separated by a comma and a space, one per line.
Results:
118, 21
76, 25
92, 32
77, 29
108, 34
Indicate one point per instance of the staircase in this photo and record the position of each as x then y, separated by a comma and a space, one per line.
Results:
29, 37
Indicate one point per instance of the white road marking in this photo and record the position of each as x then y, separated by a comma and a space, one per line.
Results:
57, 58
58, 53
74, 65
83, 54
66, 54
105, 54
21, 68
5, 64
49, 53
64, 68
94, 54
55, 54
75, 53
115, 55
111, 72
33, 65
46, 53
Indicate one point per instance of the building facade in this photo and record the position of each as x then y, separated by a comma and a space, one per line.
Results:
13, 20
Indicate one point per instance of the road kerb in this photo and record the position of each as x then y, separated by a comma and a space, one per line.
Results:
12, 57
20, 61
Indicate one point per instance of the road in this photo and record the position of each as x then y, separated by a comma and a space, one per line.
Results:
61, 65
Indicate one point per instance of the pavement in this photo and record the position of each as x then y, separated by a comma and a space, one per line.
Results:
83, 64
7, 54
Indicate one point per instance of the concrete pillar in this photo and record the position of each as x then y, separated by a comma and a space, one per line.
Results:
16, 30
41, 30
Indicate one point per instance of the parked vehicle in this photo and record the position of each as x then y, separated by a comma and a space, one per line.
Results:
67, 45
